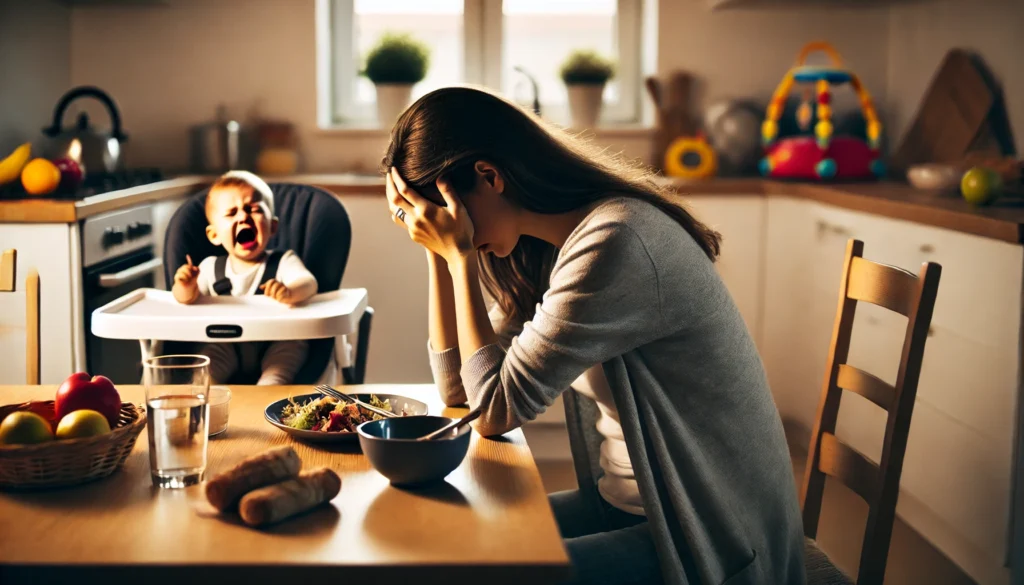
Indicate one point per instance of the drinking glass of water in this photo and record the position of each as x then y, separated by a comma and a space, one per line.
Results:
177, 397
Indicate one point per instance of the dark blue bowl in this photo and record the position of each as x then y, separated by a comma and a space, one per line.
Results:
391, 446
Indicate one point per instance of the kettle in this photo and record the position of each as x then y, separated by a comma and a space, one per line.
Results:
99, 152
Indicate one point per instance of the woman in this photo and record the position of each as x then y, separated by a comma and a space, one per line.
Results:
604, 286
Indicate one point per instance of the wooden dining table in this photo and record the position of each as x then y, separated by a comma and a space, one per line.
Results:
489, 522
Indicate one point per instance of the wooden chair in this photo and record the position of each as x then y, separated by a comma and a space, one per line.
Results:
914, 297
8, 278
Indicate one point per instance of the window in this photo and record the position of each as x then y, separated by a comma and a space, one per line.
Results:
484, 42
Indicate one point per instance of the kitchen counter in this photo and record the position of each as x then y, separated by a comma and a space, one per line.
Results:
44, 210
1003, 221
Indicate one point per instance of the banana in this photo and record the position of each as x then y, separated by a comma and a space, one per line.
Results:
10, 167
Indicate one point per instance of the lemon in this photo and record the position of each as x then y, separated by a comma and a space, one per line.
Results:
82, 423
24, 428
980, 185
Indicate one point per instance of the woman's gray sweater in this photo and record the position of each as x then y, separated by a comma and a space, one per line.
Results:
633, 291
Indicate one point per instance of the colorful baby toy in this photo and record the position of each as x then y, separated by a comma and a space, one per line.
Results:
691, 157
823, 155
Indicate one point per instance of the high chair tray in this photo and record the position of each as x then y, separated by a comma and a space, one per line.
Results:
154, 314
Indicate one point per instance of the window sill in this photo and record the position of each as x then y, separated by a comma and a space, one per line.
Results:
373, 131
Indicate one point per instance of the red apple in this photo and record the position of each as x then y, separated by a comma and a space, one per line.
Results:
80, 392
72, 173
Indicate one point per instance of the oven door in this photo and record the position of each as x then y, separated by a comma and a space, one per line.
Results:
118, 359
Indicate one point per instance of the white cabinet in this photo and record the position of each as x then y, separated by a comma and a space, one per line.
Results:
955, 488
393, 270
797, 321
741, 221
49, 249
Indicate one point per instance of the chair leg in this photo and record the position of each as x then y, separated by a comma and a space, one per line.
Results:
356, 374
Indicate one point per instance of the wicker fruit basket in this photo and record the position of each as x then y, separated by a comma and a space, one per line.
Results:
69, 462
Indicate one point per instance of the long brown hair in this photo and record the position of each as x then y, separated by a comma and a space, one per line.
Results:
447, 131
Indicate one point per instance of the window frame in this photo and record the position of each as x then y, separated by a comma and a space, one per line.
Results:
482, 42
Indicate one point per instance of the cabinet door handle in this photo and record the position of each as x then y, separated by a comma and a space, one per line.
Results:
824, 226
927, 249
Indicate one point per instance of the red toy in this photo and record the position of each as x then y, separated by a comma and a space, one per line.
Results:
822, 156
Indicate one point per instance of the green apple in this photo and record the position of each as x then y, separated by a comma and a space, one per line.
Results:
82, 423
980, 185
24, 428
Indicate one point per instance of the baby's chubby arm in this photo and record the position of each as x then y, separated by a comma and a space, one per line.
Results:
294, 283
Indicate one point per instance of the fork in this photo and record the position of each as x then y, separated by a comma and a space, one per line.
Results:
329, 391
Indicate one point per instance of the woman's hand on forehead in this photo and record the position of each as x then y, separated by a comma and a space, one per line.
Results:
446, 231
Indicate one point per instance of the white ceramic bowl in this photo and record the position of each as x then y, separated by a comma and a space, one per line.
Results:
220, 400
935, 176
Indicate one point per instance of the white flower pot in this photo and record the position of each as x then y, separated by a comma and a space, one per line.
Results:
585, 104
392, 99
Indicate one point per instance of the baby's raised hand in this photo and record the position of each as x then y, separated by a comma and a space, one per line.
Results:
186, 286
187, 274
276, 290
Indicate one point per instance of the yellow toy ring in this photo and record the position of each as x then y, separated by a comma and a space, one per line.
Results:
690, 158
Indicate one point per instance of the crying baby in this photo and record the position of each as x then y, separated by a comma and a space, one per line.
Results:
240, 216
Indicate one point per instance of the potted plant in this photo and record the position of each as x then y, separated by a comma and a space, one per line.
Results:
394, 65
585, 73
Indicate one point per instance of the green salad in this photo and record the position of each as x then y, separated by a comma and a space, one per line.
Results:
329, 415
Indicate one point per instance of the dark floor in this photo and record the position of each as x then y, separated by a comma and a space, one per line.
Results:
912, 560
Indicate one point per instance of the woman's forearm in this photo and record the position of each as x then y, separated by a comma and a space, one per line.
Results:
441, 310
474, 326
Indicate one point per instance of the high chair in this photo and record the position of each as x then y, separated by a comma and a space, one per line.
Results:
878, 485
313, 223
33, 343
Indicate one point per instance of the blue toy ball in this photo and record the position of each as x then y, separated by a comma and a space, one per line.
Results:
878, 168
826, 168
765, 166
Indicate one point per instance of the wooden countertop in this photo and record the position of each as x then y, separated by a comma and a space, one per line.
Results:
44, 210
1003, 220
490, 521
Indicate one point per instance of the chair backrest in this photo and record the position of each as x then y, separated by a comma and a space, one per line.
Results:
914, 297
313, 223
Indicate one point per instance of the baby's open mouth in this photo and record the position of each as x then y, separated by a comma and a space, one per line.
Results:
246, 238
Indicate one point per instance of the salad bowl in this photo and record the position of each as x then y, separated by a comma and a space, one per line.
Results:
275, 413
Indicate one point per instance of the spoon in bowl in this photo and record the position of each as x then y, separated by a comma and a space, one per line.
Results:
452, 427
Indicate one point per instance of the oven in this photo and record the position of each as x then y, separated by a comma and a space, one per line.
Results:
117, 258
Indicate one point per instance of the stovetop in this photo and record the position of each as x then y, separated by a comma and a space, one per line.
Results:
94, 184
99, 183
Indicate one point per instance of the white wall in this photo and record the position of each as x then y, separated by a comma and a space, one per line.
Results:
920, 34
35, 55
189, 56
168, 67
744, 53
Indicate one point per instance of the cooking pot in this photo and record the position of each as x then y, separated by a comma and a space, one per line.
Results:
97, 151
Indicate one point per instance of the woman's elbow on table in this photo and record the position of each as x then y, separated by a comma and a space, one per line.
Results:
494, 426
452, 395
504, 409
